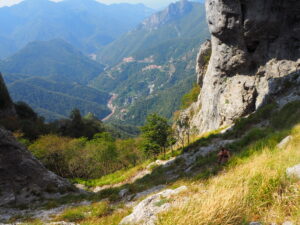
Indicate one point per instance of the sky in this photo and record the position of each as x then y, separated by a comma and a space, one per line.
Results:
156, 4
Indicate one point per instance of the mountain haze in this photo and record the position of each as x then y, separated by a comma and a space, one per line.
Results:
180, 21
56, 58
86, 24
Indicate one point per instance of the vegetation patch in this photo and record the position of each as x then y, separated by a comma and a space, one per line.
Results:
113, 178
161, 202
190, 97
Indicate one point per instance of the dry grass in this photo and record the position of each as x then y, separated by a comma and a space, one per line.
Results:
250, 189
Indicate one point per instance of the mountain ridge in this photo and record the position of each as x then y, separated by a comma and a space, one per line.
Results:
56, 58
45, 20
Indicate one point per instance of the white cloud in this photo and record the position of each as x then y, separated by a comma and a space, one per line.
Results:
151, 3
8, 2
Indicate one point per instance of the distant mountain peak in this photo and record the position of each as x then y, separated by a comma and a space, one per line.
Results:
173, 12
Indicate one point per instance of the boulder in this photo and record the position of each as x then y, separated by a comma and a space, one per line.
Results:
145, 213
283, 144
123, 192
294, 171
23, 179
288, 223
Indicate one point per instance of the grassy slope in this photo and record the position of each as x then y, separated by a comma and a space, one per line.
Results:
251, 187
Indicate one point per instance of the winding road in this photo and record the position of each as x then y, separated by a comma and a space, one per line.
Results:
111, 106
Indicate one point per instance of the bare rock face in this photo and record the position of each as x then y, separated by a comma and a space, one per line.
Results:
6, 105
202, 61
255, 56
173, 12
23, 179
145, 213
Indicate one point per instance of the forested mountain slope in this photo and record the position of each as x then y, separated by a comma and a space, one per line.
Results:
150, 61
55, 59
86, 24
180, 21
51, 76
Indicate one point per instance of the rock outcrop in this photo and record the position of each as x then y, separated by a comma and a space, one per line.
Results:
23, 179
145, 213
294, 171
284, 143
203, 58
7, 108
255, 56
173, 12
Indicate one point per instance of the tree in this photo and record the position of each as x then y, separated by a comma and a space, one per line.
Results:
156, 133
76, 127
172, 141
184, 128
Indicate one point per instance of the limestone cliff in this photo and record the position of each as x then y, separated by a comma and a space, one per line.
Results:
23, 179
255, 55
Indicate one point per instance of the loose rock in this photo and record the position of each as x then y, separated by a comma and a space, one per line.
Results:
283, 144
145, 213
287, 223
294, 171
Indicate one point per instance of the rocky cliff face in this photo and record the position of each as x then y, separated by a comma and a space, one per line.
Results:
255, 55
23, 179
173, 12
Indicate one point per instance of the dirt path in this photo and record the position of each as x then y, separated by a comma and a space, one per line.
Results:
111, 106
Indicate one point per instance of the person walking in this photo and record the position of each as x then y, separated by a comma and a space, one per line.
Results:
223, 156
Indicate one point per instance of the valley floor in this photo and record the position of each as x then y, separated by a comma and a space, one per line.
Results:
111, 106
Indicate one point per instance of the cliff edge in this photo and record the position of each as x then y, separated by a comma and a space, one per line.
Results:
255, 56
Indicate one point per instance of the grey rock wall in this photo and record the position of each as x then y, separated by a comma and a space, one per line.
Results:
255, 53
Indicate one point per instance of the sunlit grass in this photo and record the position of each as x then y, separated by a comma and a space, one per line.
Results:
113, 178
253, 188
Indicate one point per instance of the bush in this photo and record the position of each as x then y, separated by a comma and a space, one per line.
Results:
83, 158
190, 97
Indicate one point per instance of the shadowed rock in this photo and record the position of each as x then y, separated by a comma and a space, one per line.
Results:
6, 105
23, 179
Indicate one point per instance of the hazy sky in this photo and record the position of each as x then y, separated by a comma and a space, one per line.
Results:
151, 3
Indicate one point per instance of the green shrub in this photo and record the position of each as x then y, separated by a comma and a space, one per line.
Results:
190, 97
83, 158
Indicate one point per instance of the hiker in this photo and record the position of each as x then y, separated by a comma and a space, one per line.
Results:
223, 156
